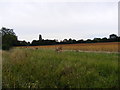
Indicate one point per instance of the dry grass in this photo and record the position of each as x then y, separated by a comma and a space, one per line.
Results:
110, 46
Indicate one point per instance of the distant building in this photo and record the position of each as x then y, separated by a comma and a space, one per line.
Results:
113, 36
40, 37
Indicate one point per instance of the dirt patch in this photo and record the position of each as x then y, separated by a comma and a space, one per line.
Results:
91, 51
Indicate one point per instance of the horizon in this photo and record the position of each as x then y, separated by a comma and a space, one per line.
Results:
60, 20
69, 38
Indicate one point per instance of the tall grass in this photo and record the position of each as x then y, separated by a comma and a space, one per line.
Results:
43, 68
0, 69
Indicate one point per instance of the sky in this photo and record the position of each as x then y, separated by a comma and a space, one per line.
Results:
60, 19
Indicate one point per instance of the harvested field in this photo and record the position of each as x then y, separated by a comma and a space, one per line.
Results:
109, 47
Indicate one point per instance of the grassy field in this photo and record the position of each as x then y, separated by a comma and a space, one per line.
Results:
45, 68
0, 69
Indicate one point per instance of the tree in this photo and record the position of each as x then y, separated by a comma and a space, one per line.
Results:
23, 43
40, 37
88, 41
97, 40
35, 43
80, 41
70, 41
104, 39
9, 39
113, 36
0, 40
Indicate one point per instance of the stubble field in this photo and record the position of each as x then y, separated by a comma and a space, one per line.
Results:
107, 47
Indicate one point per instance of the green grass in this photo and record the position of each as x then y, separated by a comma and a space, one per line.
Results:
42, 68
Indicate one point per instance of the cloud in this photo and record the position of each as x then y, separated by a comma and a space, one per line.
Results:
60, 20
59, 0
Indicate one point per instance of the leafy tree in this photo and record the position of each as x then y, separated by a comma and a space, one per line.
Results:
104, 39
74, 41
80, 41
65, 40
88, 41
97, 40
70, 41
119, 39
9, 39
35, 43
23, 43
113, 38
0, 40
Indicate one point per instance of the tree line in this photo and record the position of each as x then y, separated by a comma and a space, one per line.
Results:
9, 40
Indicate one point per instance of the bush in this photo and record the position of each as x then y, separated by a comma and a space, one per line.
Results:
6, 47
9, 39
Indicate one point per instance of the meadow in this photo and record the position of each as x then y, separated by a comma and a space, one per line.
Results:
46, 68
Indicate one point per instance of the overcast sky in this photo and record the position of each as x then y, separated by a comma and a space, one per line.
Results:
60, 19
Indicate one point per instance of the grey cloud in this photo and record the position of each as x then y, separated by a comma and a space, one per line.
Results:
60, 20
